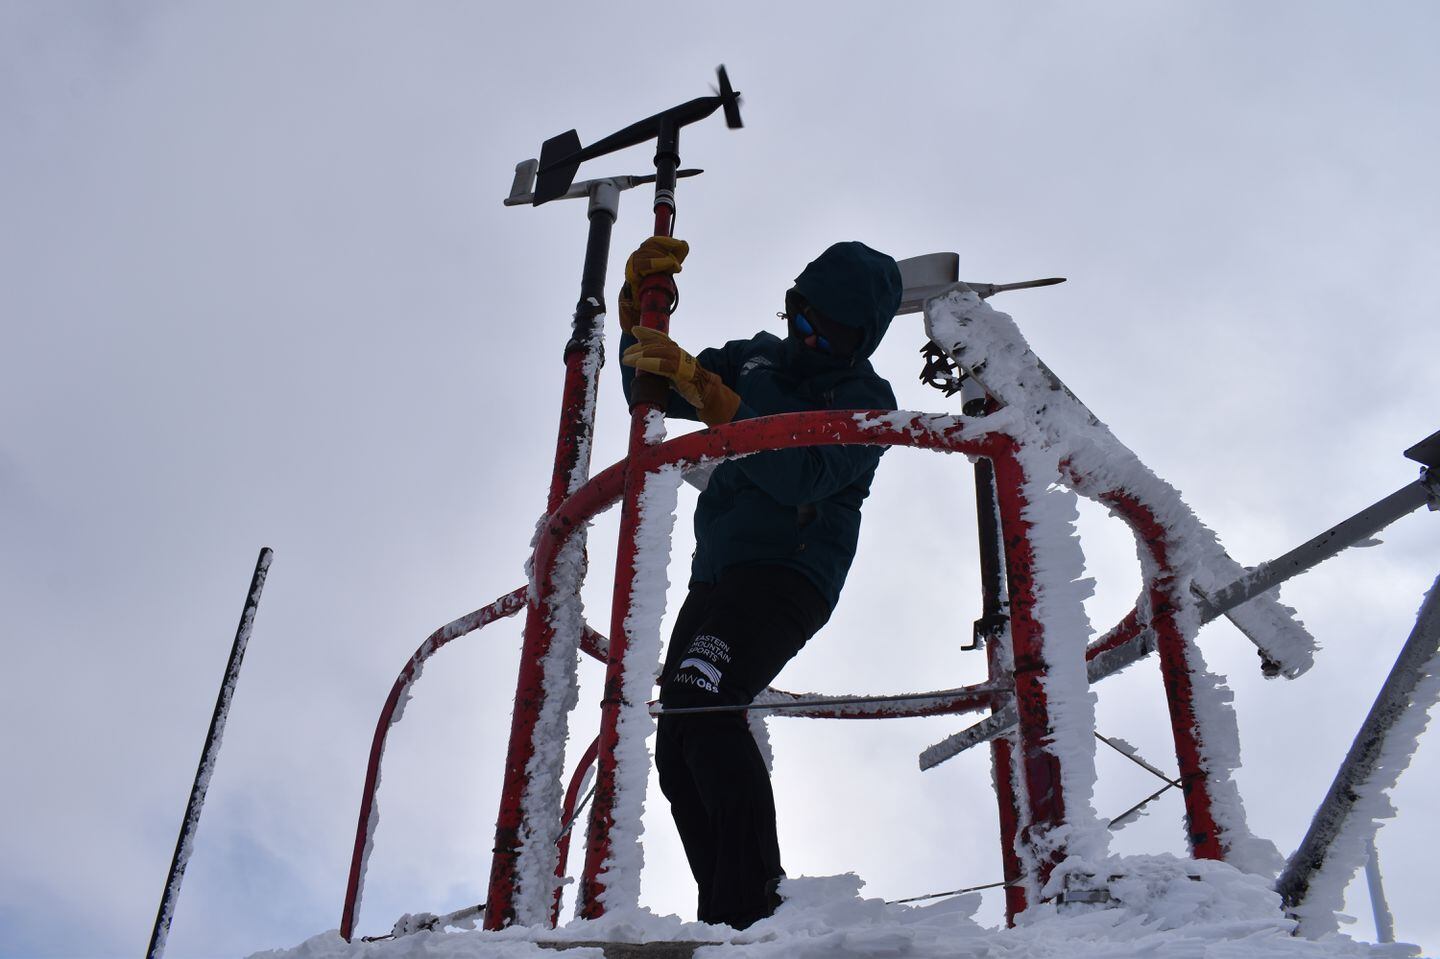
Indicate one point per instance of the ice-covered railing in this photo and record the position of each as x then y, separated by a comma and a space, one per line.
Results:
1341, 837
1041, 730
1173, 548
1046, 653
988, 345
1180, 558
527, 887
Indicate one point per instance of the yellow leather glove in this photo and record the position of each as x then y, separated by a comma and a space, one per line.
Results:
658, 254
657, 353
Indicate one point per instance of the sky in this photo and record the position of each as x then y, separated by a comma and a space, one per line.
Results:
258, 289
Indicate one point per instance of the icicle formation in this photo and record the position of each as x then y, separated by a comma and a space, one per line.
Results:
621, 874
989, 346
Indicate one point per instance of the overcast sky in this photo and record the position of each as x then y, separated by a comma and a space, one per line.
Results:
258, 288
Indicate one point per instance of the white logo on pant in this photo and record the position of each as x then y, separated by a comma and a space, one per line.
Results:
708, 670
705, 651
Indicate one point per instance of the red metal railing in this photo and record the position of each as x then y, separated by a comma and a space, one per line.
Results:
1025, 815
507, 605
1203, 833
1045, 799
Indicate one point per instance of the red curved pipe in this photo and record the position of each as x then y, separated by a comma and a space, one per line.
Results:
508, 605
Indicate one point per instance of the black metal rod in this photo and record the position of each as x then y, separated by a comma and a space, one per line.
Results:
1120, 821
994, 598
820, 702
667, 163
1396, 697
604, 207
597, 254
208, 755
1361, 526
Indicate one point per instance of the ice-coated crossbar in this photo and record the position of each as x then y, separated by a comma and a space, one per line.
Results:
561, 156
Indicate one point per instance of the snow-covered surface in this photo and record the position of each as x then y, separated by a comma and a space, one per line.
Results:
1161, 906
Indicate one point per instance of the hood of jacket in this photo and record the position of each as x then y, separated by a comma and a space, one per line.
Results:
854, 285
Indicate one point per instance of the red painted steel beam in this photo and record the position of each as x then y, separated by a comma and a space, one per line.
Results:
1043, 803
1002, 763
575, 510
1203, 833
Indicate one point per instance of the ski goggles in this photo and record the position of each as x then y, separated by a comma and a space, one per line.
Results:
805, 329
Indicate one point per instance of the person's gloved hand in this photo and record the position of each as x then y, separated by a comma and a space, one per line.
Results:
657, 353
658, 254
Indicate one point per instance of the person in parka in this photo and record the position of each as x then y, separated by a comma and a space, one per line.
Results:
775, 535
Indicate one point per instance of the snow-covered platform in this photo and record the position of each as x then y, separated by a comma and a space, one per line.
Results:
1161, 906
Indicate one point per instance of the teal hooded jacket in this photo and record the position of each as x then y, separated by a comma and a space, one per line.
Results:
798, 507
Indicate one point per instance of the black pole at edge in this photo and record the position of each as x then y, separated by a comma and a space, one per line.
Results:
188, 825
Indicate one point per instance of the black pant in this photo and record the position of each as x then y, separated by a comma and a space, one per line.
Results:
730, 640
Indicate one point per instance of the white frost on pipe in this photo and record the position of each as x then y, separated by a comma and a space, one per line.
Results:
620, 874
988, 345
590, 373
542, 802
1061, 588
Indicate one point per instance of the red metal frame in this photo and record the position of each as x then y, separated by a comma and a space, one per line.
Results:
1203, 833
1025, 817
506, 605
572, 466
822, 427
1002, 761
1044, 807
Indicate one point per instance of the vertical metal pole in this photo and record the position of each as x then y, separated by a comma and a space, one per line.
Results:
208, 755
583, 357
1363, 758
992, 629
1042, 809
1203, 834
649, 396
